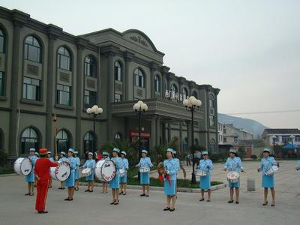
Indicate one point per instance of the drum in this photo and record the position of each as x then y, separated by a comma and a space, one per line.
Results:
272, 170
22, 166
201, 173
61, 172
233, 177
86, 172
122, 172
105, 170
144, 170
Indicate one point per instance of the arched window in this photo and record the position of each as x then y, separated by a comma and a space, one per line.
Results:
195, 94
118, 71
174, 91
118, 136
63, 141
90, 66
89, 142
32, 49
157, 83
63, 59
29, 139
139, 78
1, 140
2, 41
184, 93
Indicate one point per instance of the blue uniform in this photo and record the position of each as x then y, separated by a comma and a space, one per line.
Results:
266, 164
298, 164
70, 182
206, 165
90, 163
115, 183
63, 159
171, 165
51, 159
234, 164
124, 165
30, 177
77, 168
145, 177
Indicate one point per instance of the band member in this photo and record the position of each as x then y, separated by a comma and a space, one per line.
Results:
234, 163
123, 179
41, 171
170, 179
30, 177
205, 165
49, 155
105, 156
90, 163
77, 170
267, 180
114, 184
145, 162
62, 159
298, 165
70, 182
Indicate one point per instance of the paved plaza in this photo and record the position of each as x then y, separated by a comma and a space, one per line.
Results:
94, 208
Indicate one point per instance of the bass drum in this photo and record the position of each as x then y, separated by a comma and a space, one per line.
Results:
105, 170
22, 166
61, 172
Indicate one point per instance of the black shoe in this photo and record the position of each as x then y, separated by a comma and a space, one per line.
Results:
265, 203
230, 201
208, 200
91, 191
142, 195
202, 199
66, 199
237, 202
171, 210
124, 193
147, 195
87, 190
166, 209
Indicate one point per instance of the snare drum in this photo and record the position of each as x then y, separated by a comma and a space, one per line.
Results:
22, 166
272, 170
122, 172
233, 177
201, 173
105, 170
144, 170
61, 172
86, 172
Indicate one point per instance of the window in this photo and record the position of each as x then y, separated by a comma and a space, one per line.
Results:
89, 142
63, 141
118, 98
63, 95
89, 98
32, 49
1, 83
90, 67
157, 83
173, 91
63, 59
184, 93
195, 94
118, 137
29, 139
225, 140
297, 139
285, 139
2, 41
1, 140
31, 89
235, 139
211, 103
212, 121
118, 71
139, 78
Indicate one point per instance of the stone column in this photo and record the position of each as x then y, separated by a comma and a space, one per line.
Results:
153, 132
169, 132
128, 58
189, 133
158, 131
180, 136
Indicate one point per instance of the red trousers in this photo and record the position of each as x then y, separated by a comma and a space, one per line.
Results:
41, 196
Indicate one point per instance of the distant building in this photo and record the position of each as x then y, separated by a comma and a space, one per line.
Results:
273, 137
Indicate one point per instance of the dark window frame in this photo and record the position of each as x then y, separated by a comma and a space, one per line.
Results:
157, 85
64, 54
30, 141
2, 83
28, 84
31, 43
89, 97
118, 71
60, 91
90, 66
139, 78
3, 38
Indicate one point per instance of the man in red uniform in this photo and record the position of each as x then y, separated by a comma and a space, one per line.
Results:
42, 174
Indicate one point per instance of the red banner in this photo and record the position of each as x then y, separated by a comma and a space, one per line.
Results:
136, 134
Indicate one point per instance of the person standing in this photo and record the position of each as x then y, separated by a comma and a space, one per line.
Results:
42, 175
62, 159
114, 184
234, 163
90, 163
105, 156
205, 165
70, 182
77, 159
145, 163
188, 160
49, 155
267, 179
123, 177
30, 177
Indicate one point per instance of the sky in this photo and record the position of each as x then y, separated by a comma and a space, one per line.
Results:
250, 49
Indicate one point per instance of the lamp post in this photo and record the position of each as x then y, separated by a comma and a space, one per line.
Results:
192, 104
94, 111
140, 107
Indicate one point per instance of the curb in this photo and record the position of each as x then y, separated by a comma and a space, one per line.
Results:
8, 175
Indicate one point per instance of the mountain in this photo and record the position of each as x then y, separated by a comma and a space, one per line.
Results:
249, 125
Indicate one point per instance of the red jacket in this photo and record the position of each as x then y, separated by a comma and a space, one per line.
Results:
42, 168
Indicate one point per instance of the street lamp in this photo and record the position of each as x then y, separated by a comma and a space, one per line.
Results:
140, 107
192, 104
94, 111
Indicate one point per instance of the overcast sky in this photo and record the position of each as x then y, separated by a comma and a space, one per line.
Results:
250, 49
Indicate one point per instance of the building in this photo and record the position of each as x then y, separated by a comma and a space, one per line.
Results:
230, 135
273, 137
48, 78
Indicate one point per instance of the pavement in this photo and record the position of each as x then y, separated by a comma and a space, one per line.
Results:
94, 208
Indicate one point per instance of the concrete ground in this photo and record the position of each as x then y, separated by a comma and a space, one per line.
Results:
94, 208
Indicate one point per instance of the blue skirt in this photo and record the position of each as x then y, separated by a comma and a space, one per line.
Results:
90, 177
70, 182
30, 177
115, 183
205, 182
235, 185
77, 174
268, 181
123, 180
144, 178
170, 189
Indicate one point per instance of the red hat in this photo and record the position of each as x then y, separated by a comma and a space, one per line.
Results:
43, 151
